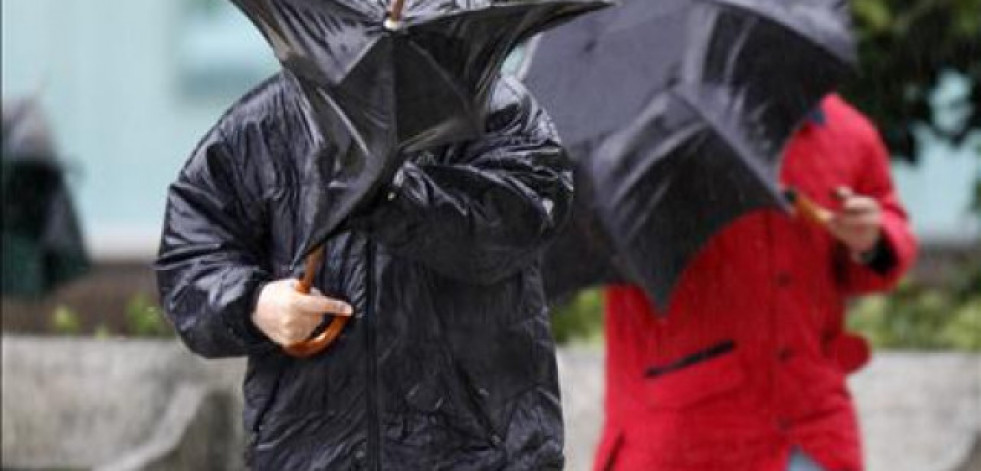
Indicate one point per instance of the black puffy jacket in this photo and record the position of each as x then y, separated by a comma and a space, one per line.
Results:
449, 362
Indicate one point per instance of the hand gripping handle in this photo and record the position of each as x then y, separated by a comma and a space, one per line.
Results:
322, 341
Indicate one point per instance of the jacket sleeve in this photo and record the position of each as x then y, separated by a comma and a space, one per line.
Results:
483, 214
897, 249
209, 270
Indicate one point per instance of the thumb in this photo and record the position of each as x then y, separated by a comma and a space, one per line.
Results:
321, 305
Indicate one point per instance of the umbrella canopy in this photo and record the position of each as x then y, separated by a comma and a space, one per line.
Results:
383, 81
698, 100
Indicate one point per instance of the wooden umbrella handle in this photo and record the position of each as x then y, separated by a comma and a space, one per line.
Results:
808, 209
311, 347
393, 21
396, 13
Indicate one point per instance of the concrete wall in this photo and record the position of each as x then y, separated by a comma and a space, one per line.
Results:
126, 405
71, 404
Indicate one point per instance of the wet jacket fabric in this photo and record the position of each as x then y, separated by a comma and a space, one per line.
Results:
449, 362
751, 358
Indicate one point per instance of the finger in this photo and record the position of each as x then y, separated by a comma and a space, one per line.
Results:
860, 204
837, 228
301, 333
321, 305
859, 219
847, 225
280, 338
850, 236
301, 327
842, 193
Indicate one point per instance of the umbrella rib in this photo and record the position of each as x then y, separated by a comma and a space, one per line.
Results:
733, 60
439, 69
737, 147
635, 179
740, 6
516, 5
315, 4
345, 121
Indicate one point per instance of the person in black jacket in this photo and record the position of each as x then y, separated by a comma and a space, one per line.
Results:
448, 362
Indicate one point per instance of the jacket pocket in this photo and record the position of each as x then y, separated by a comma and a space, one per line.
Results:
694, 378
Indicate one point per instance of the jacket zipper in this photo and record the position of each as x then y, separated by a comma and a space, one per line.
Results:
374, 438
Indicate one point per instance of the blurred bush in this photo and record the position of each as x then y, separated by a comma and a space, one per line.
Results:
580, 319
142, 318
65, 321
914, 316
145, 319
906, 47
921, 317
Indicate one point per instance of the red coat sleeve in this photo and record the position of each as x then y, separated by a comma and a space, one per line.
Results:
875, 181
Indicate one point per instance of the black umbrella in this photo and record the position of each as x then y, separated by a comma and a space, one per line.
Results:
681, 109
385, 78
384, 85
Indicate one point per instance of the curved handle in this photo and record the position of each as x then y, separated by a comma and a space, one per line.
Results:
393, 21
396, 12
325, 339
808, 209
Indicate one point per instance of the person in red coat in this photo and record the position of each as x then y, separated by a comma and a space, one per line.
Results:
746, 369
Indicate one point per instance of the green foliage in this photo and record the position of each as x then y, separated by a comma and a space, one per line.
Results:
926, 318
905, 48
911, 317
65, 321
579, 319
102, 332
144, 319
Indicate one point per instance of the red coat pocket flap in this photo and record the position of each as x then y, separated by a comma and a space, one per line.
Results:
696, 381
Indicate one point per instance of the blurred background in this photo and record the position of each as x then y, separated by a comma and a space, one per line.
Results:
104, 99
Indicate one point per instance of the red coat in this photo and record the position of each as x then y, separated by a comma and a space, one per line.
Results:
751, 359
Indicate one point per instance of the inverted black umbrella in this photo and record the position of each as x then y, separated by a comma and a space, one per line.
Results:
682, 109
384, 78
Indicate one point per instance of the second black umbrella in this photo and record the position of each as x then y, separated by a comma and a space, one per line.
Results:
684, 107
